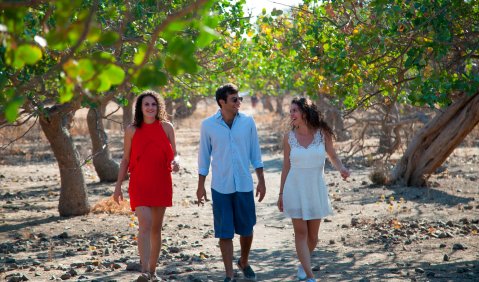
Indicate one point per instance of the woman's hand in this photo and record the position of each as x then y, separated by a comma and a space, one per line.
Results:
118, 195
280, 202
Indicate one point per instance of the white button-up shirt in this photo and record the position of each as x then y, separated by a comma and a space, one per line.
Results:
230, 152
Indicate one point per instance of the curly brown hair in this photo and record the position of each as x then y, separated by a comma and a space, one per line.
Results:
160, 107
311, 114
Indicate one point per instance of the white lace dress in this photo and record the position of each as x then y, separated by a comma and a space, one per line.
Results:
305, 194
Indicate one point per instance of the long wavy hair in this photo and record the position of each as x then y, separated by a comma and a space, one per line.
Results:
160, 107
311, 114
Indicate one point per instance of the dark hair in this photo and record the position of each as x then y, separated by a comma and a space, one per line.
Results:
160, 107
311, 114
223, 91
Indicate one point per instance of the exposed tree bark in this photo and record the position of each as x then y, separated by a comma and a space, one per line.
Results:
184, 109
279, 105
389, 125
169, 106
332, 116
436, 141
105, 167
128, 111
267, 104
73, 193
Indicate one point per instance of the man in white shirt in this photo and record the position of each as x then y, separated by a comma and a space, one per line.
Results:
229, 142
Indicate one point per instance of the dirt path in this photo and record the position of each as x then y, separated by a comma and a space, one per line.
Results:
420, 235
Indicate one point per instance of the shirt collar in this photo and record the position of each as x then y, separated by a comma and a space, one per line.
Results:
218, 115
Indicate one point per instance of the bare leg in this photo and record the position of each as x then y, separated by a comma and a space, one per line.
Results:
301, 241
245, 243
158, 214
144, 215
226, 246
313, 230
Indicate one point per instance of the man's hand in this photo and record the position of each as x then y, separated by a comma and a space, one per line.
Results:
200, 194
344, 173
260, 190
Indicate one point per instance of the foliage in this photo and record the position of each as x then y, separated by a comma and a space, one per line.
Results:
416, 52
362, 52
60, 51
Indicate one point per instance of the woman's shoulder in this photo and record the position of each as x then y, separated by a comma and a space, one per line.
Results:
287, 136
167, 126
130, 130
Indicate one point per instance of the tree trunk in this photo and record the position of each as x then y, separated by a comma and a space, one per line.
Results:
267, 104
128, 111
436, 141
184, 109
105, 167
279, 104
332, 116
73, 194
169, 108
389, 125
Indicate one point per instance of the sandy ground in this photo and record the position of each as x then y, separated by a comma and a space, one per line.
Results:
377, 233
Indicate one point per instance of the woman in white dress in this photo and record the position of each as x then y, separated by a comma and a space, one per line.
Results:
303, 195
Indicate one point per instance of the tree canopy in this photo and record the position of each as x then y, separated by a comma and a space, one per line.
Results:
55, 52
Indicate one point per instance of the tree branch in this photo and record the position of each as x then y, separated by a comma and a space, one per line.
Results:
156, 33
21, 136
19, 4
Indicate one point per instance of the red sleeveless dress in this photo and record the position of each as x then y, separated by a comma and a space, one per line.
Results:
150, 167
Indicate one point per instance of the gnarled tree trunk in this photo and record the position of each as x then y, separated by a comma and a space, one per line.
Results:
184, 109
128, 111
105, 167
389, 125
73, 193
436, 141
169, 107
332, 116
279, 104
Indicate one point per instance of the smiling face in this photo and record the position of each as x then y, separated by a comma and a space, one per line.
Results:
296, 116
149, 108
232, 103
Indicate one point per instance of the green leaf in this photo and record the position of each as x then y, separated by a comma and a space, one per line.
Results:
207, 35
326, 47
94, 35
139, 55
276, 12
149, 77
26, 54
11, 109
86, 69
176, 26
114, 73
66, 93
109, 38
104, 83
71, 68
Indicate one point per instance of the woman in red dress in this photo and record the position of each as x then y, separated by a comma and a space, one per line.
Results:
149, 151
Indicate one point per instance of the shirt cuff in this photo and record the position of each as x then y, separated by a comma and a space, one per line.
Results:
258, 165
203, 171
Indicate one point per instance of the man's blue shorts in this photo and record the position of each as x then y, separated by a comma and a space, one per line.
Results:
233, 213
